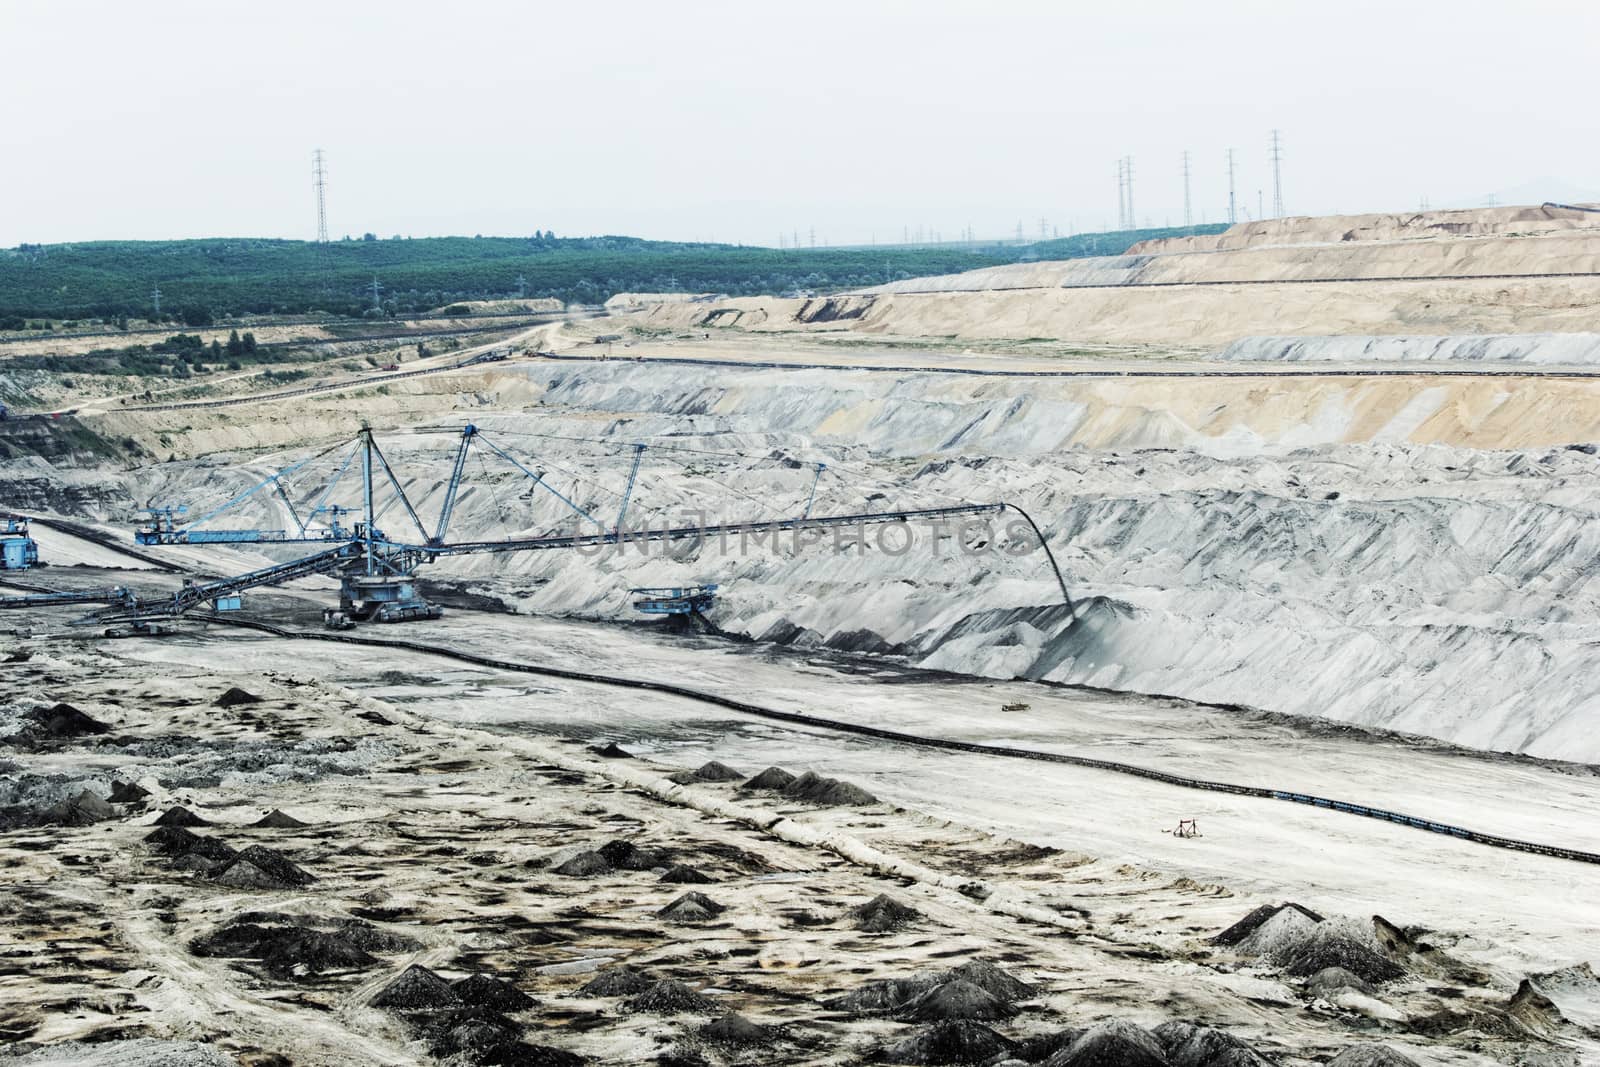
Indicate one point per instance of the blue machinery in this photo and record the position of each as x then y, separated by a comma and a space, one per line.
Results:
18, 551
675, 600
377, 572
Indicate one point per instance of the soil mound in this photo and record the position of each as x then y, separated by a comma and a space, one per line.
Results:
258, 867
883, 995
1371, 1056
1114, 1043
1250, 923
584, 865
492, 994
993, 980
949, 1042
771, 778
813, 788
735, 1029
294, 945
1337, 944
956, 999
691, 907
670, 998
60, 722
278, 820
85, 809
235, 697
619, 981
178, 815
611, 750
717, 771
1278, 936
1188, 1045
126, 792
626, 856
476, 1037
1331, 981
172, 840
681, 874
416, 989
883, 913
1041, 1048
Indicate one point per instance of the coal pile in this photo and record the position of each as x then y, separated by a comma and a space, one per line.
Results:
234, 697
735, 1029
618, 981
258, 867
813, 788
489, 993
707, 772
417, 989
278, 820
954, 1000
773, 779
1188, 1045
949, 1042
1114, 1043
680, 874
691, 907
1371, 1056
584, 865
668, 997
626, 856
178, 815
883, 913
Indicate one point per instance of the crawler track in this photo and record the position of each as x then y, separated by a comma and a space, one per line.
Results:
897, 737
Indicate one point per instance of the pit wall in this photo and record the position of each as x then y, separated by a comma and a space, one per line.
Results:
1372, 579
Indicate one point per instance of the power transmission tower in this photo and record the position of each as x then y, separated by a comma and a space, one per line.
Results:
813, 237
522, 285
1133, 219
376, 289
319, 171
1122, 197
1188, 215
1044, 228
1233, 204
1277, 175
155, 300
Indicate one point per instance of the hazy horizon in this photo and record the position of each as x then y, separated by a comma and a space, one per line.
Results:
732, 123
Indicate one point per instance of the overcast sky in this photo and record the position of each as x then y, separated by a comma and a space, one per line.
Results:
739, 121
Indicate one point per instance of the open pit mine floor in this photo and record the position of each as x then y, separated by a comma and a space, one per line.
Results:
447, 821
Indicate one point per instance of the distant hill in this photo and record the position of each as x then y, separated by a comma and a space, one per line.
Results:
222, 277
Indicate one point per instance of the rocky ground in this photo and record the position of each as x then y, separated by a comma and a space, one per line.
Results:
209, 865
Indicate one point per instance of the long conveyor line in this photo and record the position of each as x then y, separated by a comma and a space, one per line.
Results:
898, 737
